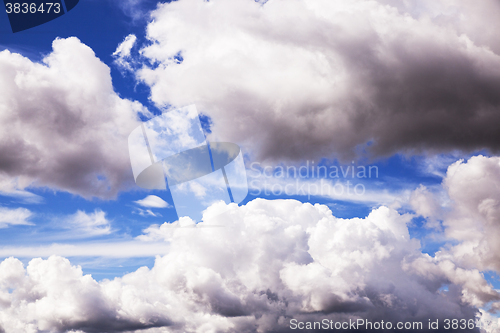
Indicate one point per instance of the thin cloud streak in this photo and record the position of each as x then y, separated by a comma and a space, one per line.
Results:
110, 249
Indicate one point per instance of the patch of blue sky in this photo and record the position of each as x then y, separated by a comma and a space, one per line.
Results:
493, 278
123, 211
206, 123
444, 288
431, 240
493, 313
50, 227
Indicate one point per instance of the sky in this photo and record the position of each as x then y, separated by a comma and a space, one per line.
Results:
366, 187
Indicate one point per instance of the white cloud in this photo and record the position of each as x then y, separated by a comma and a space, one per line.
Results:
403, 75
10, 187
55, 296
427, 204
152, 201
272, 261
83, 224
16, 216
109, 249
164, 232
122, 53
123, 50
23, 196
471, 221
61, 123
146, 212
474, 217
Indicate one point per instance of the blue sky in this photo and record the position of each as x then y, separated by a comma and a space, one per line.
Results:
409, 92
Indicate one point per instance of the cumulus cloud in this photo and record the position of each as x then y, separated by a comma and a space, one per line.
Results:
61, 123
474, 217
16, 216
403, 76
427, 204
271, 262
469, 217
52, 295
152, 201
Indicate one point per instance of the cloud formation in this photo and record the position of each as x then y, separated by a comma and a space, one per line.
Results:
61, 123
83, 224
474, 218
272, 261
122, 53
468, 217
413, 76
152, 201
14, 216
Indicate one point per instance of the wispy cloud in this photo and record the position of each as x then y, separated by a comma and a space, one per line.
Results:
16, 216
14, 188
82, 225
122, 53
23, 196
145, 212
110, 249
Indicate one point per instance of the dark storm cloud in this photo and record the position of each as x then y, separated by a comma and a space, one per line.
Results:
301, 79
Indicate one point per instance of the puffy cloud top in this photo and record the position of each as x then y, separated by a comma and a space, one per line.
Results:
474, 220
61, 123
271, 262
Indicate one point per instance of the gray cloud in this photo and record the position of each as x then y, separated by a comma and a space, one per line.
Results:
416, 77
62, 125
